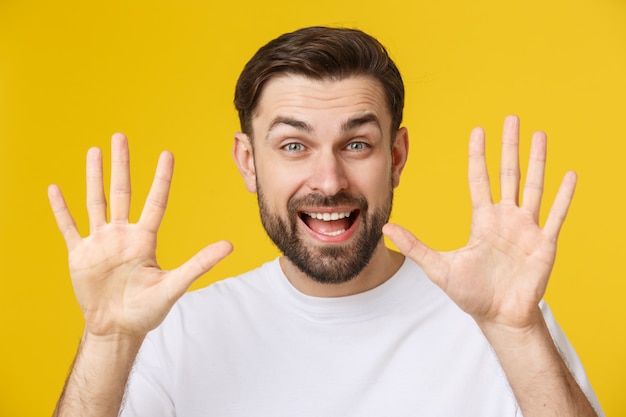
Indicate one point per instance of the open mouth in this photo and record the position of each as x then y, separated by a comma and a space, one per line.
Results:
329, 223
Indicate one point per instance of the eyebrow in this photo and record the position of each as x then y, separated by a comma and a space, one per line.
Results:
350, 124
368, 118
289, 121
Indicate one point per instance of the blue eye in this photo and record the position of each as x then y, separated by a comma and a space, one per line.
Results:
357, 146
293, 147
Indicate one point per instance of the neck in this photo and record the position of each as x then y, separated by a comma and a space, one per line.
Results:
384, 263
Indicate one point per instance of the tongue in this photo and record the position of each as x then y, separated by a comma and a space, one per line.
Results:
323, 227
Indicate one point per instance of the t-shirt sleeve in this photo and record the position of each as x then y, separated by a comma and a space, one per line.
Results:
147, 393
570, 357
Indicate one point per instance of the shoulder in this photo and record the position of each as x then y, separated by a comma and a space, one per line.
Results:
253, 283
226, 297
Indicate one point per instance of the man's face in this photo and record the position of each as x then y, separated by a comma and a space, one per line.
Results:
324, 170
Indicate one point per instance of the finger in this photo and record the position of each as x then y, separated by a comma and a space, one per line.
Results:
478, 176
429, 260
198, 265
154, 209
560, 207
509, 163
64, 219
96, 201
533, 187
120, 179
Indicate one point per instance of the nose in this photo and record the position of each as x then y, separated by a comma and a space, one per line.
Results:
328, 174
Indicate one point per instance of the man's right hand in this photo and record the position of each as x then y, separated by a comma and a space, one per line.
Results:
118, 283
120, 288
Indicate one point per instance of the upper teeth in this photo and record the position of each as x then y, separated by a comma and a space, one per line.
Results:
329, 216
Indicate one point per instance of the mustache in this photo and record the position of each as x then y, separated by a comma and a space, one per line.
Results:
296, 204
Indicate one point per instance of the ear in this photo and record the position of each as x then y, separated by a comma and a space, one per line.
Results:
399, 153
244, 158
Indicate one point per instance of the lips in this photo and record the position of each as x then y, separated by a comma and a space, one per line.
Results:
329, 219
329, 223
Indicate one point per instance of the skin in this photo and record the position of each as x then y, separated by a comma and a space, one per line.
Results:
121, 290
501, 275
498, 278
329, 159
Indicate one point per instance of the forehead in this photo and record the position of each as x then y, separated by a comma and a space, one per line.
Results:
318, 101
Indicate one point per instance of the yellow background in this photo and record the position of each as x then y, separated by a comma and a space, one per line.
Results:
163, 72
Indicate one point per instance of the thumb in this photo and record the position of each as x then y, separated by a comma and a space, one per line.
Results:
185, 275
429, 260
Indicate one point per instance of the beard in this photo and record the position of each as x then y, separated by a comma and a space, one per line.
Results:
331, 263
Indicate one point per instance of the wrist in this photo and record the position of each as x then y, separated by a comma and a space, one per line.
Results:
530, 345
538, 375
111, 347
99, 375
514, 328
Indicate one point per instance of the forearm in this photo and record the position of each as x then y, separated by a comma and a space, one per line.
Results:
541, 381
96, 384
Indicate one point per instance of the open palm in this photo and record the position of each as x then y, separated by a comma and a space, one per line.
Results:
502, 273
116, 278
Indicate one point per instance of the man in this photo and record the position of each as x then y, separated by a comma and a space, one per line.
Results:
340, 325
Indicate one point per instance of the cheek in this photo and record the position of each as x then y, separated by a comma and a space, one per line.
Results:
377, 190
374, 181
277, 186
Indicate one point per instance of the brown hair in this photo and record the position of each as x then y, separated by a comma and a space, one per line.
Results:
319, 53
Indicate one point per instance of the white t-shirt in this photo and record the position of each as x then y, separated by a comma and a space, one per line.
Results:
255, 346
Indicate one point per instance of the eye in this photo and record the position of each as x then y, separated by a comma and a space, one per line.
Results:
293, 147
357, 146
